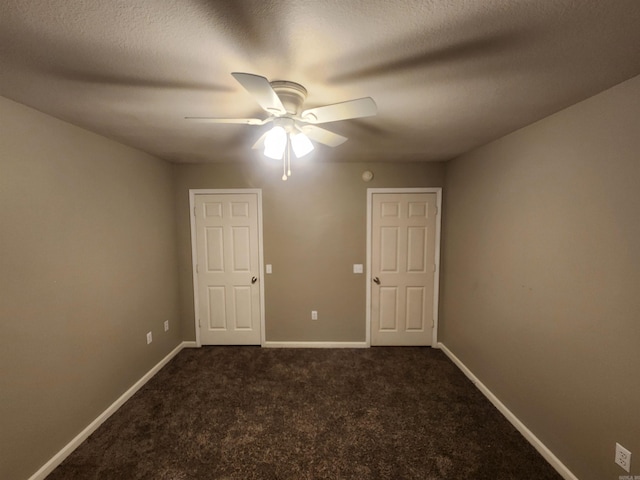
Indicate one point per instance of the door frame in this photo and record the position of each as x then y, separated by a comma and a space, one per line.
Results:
436, 274
194, 252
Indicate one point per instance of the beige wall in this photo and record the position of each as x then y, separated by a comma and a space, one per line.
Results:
314, 231
541, 276
87, 267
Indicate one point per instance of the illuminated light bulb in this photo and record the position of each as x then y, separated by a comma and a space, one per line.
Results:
301, 144
275, 143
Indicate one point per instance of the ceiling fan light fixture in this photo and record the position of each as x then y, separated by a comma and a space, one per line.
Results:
301, 144
275, 143
293, 128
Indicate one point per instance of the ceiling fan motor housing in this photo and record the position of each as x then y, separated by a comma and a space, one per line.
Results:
291, 94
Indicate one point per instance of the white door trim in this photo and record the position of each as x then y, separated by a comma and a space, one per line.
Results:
436, 278
194, 253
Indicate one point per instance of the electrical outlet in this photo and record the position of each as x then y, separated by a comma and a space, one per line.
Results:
314, 314
149, 338
166, 325
623, 457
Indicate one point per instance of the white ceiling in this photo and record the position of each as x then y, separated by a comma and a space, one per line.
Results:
447, 75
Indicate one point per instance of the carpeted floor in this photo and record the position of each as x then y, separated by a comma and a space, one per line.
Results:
246, 413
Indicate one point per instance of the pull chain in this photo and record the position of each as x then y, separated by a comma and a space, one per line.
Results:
286, 161
284, 167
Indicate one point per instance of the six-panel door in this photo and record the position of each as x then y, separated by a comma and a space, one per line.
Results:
402, 268
228, 268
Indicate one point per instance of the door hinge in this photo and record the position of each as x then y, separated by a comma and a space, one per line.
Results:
199, 323
436, 209
434, 268
197, 268
194, 211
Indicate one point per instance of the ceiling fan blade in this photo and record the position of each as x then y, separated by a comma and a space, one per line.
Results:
245, 121
362, 107
259, 145
261, 90
323, 136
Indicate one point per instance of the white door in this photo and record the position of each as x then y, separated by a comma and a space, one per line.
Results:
403, 266
228, 267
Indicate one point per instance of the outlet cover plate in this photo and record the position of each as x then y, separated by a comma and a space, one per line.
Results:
623, 457
166, 325
149, 338
314, 314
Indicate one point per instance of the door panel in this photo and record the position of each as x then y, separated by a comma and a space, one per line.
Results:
227, 249
242, 304
417, 250
216, 307
388, 307
403, 261
388, 249
241, 248
415, 309
214, 250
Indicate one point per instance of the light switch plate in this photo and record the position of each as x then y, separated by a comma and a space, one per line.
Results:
358, 268
268, 268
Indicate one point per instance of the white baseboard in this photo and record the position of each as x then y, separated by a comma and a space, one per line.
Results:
59, 457
191, 344
315, 344
509, 415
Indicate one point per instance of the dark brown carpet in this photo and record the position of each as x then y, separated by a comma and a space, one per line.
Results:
250, 413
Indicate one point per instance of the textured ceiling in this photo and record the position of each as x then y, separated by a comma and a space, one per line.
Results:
447, 75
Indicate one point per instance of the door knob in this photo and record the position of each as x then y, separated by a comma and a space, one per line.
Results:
376, 280
254, 279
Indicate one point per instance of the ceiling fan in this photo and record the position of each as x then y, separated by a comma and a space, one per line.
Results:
293, 128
